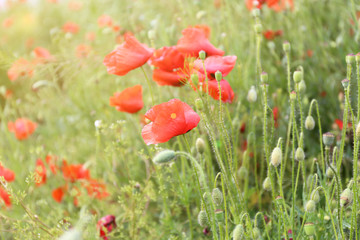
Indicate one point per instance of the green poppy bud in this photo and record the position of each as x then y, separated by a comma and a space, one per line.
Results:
195, 79
309, 228
242, 173
256, 233
315, 196
276, 157
329, 173
299, 154
346, 197
238, 233
203, 219
199, 104
202, 55
293, 96
217, 196
258, 28
309, 123
218, 76
200, 145
267, 184
310, 206
252, 95
286, 47
298, 76
164, 157
256, 12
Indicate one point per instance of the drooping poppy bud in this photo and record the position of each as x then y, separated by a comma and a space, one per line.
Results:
309, 123
217, 196
203, 219
164, 157
310, 206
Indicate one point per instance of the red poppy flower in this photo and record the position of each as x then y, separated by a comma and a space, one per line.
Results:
130, 100
51, 161
106, 225
105, 21
171, 78
193, 41
250, 4
276, 115
169, 119
96, 189
5, 197
40, 171
205, 28
340, 124
167, 58
227, 94
128, 56
243, 127
216, 63
75, 172
42, 53
22, 128
75, 5
71, 27
59, 193
83, 50
8, 175
280, 5
20, 68
90, 36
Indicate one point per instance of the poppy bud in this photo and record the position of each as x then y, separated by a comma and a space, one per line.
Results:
242, 173
299, 154
310, 206
328, 139
309, 123
345, 83
329, 173
256, 12
309, 228
219, 215
357, 131
302, 86
267, 184
315, 196
72, 234
276, 157
238, 233
357, 57
258, 28
286, 47
350, 58
195, 79
293, 96
200, 145
346, 197
164, 157
203, 219
256, 233
202, 55
151, 34
264, 78
252, 95
217, 196
199, 104
218, 76
298, 76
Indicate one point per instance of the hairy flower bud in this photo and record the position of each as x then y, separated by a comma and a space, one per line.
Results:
276, 157
286, 47
202, 55
242, 173
256, 233
346, 197
203, 219
258, 28
238, 233
315, 196
310, 206
302, 86
252, 95
345, 83
298, 76
200, 145
217, 196
309, 123
299, 154
164, 157
267, 184
350, 58
218, 76
330, 173
199, 104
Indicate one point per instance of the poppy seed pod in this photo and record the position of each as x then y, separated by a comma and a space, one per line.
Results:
264, 78
202, 55
203, 219
315, 196
217, 196
252, 95
276, 157
293, 96
258, 28
256, 233
200, 145
302, 86
299, 154
346, 197
357, 131
218, 76
309, 123
310, 206
286, 47
345, 83
219, 215
309, 228
350, 58
164, 157
298, 76
238, 233
267, 184
328, 139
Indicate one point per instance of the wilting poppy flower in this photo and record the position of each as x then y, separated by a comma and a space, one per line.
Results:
106, 225
129, 100
22, 128
40, 171
128, 56
193, 41
5, 197
169, 119
20, 68
58, 193
71, 27
227, 94
75, 172
216, 63
270, 35
105, 21
8, 175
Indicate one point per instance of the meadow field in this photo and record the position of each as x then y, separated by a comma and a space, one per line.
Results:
179, 119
